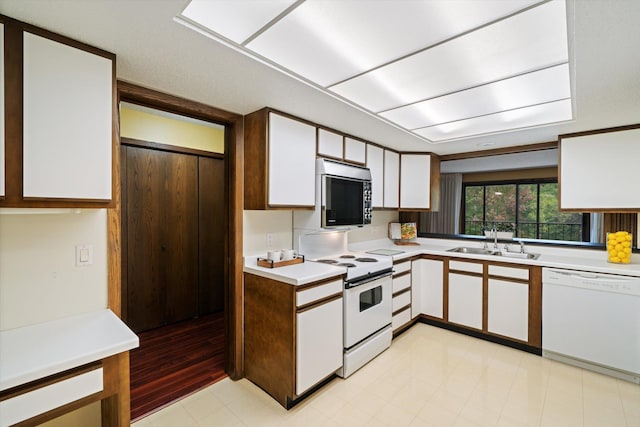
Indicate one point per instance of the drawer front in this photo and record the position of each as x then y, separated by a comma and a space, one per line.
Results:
471, 267
41, 400
515, 273
401, 267
401, 300
319, 292
401, 319
402, 282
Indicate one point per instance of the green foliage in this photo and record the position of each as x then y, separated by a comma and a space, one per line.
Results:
489, 206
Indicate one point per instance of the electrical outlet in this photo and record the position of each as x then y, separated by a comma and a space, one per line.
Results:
269, 240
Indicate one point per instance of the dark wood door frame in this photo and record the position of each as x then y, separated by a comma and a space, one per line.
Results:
234, 181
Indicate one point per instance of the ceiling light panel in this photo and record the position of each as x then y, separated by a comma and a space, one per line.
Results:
529, 89
538, 115
327, 41
233, 19
528, 41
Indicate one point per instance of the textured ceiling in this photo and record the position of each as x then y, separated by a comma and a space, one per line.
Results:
155, 51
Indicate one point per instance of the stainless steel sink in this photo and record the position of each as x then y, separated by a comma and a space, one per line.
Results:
520, 255
475, 251
482, 251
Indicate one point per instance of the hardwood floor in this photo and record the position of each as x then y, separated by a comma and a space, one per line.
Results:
176, 360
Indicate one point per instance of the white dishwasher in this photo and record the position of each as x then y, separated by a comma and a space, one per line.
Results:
592, 320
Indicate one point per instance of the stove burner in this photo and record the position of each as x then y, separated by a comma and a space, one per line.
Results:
347, 256
328, 261
346, 264
365, 259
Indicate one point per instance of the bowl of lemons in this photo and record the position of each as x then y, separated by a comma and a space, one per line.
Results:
619, 247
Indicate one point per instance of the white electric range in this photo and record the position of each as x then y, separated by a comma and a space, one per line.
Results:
367, 298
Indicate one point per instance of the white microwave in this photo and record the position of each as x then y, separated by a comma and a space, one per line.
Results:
345, 194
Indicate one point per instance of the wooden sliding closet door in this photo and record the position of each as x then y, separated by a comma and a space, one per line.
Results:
162, 235
211, 235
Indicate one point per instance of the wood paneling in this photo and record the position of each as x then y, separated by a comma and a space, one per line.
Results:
162, 250
211, 235
255, 159
269, 341
535, 307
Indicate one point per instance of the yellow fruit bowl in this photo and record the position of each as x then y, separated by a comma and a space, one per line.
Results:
619, 247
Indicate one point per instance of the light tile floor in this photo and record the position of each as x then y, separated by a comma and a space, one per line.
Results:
429, 377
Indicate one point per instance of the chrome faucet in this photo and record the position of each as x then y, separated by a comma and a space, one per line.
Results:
495, 237
521, 246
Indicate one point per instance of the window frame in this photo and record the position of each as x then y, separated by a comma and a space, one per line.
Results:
585, 234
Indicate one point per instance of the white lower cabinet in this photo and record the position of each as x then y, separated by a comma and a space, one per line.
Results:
427, 292
318, 344
465, 300
508, 309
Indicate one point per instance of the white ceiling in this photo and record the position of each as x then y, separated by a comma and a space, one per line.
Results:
155, 51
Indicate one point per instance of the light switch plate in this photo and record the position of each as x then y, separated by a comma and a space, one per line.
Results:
84, 255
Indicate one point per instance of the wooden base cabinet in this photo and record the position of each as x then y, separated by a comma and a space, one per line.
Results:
293, 335
498, 301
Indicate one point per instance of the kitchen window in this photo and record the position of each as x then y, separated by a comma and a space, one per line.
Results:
529, 209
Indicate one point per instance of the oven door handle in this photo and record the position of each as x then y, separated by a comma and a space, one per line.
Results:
369, 279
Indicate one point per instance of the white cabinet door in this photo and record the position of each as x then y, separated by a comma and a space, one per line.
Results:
330, 144
355, 151
1, 110
391, 179
292, 162
508, 309
68, 96
319, 344
375, 163
427, 288
415, 181
596, 170
465, 300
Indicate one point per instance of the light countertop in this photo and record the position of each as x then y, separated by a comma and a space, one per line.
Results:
37, 351
550, 256
297, 274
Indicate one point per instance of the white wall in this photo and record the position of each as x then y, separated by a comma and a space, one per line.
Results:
257, 224
378, 229
38, 277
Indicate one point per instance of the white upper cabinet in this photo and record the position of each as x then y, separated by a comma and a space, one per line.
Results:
415, 181
67, 130
375, 163
355, 151
292, 162
1, 110
330, 144
391, 179
598, 170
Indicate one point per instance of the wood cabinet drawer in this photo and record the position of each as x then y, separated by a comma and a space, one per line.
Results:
316, 293
401, 267
515, 273
41, 400
401, 319
471, 267
402, 282
401, 300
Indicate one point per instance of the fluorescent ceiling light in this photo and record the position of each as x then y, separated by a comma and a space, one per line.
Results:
441, 69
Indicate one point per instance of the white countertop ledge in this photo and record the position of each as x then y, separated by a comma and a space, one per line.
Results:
33, 352
296, 274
